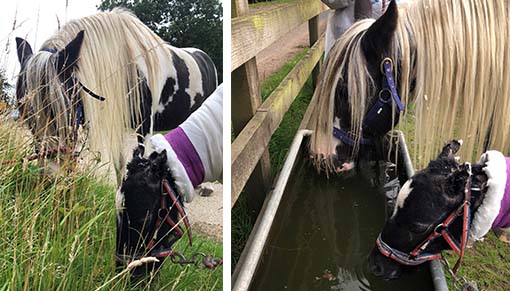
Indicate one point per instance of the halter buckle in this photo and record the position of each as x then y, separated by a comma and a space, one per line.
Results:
162, 210
438, 227
386, 60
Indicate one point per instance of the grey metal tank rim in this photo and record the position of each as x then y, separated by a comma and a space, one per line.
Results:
436, 269
249, 260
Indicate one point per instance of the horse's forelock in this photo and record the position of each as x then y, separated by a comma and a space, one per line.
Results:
347, 50
45, 95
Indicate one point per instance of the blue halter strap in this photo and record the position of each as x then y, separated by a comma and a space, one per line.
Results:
379, 118
50, 50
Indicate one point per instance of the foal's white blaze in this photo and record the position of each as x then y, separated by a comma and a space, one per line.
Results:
402, 196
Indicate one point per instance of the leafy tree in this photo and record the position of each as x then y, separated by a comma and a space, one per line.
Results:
182, 23
5, 90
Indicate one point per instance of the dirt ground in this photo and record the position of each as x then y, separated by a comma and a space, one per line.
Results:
206, 213
276, 55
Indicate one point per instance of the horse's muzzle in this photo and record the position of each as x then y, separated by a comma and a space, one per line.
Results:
383, 267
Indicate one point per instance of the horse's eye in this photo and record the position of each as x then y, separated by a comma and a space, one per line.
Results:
420, 228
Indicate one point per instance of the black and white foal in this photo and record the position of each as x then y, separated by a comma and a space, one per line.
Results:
443, 207
150, 200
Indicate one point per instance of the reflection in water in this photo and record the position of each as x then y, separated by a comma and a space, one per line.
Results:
322, 235
346, 280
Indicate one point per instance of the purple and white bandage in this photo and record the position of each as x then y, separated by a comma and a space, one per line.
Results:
195, 148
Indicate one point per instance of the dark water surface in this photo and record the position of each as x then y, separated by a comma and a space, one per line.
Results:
322, 235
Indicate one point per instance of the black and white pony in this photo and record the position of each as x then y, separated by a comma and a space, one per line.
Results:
150, 201
443, 207
108, 73
445, 61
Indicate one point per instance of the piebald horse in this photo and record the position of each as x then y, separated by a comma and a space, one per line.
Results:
446, 61
108, 73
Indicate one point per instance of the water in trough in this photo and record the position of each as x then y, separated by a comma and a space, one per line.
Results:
322, 235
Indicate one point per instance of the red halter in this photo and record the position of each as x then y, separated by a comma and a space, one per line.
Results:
164, 215
417, 255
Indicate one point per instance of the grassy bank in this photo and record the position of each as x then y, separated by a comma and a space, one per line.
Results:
278, 147
58, 232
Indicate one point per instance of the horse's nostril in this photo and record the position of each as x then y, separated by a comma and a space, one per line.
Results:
394, 275
376, 269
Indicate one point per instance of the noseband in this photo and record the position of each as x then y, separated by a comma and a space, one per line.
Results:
379, 118
163, 217
418, 255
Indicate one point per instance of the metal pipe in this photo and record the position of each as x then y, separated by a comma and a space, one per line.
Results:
245, 269
436, 269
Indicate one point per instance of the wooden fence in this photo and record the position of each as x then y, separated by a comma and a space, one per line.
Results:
255, 122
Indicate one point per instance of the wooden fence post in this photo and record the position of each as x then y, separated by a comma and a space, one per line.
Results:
246, 100
313, 33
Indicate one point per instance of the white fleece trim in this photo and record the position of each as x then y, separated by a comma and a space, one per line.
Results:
182, 181
495, 170
204, 128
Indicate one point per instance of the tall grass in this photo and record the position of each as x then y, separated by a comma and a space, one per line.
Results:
57, 231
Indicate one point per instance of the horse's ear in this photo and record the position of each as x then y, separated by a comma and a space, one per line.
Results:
67, 58
24, 50
138, 152
158, 161
377, 40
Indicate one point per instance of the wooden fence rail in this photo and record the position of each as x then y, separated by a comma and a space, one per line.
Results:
250, 144
254, 32
254, 122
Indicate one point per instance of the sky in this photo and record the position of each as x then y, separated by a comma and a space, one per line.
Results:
36, 21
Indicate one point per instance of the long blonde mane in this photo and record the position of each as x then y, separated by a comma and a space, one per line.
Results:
461, 54
344, 53
115, 45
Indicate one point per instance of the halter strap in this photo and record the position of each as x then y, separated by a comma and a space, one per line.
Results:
90, 92
372, 115
50, 50
87, 90
387, 70
164, 216
348, 138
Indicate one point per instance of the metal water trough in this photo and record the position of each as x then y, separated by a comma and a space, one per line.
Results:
252, 253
